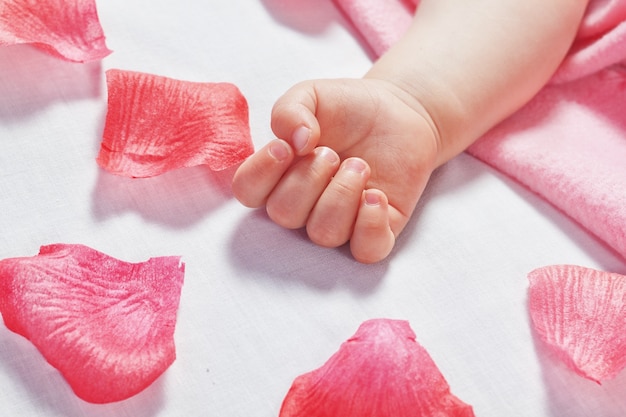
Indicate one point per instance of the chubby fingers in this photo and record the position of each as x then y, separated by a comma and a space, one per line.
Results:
316, 191
295, 196
331, 221
372, 239
257, 176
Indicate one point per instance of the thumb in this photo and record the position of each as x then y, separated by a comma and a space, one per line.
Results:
294, 120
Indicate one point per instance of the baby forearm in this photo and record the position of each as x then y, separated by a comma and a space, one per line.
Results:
472, 64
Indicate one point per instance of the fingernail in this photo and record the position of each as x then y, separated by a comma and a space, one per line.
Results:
328, 154
301, 137
278, 150
355, 165
372, 198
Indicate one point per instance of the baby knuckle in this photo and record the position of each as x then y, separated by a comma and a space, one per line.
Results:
325, 235
282, 216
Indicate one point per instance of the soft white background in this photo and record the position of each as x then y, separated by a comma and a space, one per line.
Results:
261, 305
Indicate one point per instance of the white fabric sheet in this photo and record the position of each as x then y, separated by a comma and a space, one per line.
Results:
260, 304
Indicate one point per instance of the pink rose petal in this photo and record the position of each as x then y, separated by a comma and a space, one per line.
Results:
381, 371
66, 28
155, 124
581, 314
106, 325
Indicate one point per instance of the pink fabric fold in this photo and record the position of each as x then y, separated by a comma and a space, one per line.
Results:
380, 22
600, 42
569, 143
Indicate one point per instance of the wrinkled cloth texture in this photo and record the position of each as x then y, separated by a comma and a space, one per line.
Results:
568, 144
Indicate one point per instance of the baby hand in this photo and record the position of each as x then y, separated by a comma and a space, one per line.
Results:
351, 160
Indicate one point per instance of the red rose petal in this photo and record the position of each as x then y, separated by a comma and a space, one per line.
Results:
67, 28
106, 325
380, 372
581, 314
155, 124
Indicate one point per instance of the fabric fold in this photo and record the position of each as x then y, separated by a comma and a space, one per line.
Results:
568, 144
